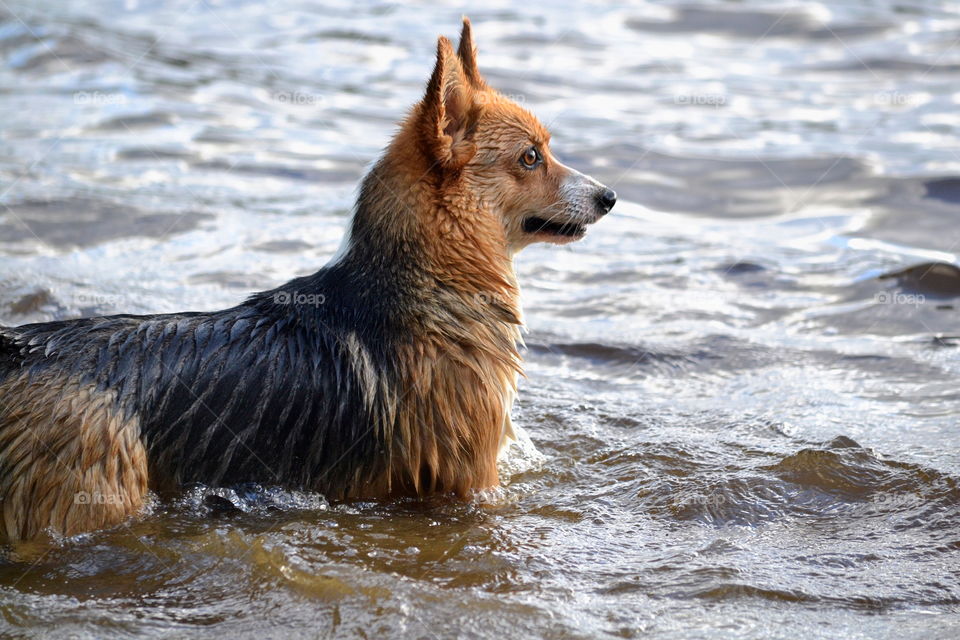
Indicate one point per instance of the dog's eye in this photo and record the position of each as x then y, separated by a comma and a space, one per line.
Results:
530, 158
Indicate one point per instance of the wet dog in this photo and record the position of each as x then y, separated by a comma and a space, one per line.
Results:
390, 371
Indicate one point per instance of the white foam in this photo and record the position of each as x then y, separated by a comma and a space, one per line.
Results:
520, 455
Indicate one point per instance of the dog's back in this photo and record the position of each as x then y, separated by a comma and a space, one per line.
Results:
340, 398
257, 393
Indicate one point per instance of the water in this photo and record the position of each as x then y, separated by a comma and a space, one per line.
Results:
744, 431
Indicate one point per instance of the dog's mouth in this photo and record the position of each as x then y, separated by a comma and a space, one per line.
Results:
570, 230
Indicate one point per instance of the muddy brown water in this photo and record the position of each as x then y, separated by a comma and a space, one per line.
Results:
741, 429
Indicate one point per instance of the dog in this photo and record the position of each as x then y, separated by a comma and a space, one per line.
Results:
389, 372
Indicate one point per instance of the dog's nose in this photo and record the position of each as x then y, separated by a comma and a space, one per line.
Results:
606, 199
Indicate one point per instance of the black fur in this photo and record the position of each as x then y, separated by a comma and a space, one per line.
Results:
267, 391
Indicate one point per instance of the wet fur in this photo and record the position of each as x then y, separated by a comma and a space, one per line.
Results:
399, 383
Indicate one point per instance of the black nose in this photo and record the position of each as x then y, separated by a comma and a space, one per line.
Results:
606, 199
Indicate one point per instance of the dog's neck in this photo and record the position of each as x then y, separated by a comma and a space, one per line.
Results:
432, 273
435, 238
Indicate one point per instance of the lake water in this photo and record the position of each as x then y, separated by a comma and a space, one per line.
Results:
743, 430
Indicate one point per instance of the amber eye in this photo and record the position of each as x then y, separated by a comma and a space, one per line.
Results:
530, 158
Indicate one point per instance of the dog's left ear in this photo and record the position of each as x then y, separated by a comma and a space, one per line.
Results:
448, 111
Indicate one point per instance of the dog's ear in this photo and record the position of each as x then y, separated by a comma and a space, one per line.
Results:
467, 53
448, 111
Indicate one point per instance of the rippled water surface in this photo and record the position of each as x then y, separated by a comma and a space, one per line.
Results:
744, 430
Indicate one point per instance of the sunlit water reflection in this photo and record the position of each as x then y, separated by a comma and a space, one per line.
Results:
743, 430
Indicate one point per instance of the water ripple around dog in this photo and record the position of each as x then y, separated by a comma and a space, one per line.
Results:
741, 386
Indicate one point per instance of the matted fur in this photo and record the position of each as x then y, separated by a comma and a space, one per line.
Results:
396, 377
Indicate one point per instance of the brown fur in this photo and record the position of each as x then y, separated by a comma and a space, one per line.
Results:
455, 414
74, 463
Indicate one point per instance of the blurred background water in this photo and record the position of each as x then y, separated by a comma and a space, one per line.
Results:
747, 431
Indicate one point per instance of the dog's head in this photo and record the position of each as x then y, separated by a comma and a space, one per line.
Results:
499, 154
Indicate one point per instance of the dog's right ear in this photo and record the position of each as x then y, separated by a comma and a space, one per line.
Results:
467, 53
448, 111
